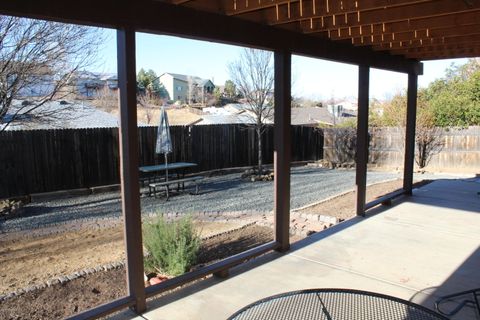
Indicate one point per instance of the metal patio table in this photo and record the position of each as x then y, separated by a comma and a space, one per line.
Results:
334, 304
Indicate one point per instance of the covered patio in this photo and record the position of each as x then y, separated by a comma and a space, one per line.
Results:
409, 252
424, 247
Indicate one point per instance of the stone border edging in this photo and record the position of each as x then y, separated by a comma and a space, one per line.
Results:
84, 272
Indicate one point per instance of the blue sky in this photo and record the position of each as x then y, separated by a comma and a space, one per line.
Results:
312, 78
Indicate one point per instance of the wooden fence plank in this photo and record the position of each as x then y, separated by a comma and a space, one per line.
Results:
48, 160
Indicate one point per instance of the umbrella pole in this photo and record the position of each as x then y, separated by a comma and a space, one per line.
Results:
166, 168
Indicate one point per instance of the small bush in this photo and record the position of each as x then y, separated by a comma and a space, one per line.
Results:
172, 246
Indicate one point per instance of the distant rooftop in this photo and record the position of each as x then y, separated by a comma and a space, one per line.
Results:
66, 115
197, 80
317, 115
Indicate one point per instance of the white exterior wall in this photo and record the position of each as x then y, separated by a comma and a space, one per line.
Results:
167, 81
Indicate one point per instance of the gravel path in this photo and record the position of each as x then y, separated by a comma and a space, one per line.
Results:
221, 193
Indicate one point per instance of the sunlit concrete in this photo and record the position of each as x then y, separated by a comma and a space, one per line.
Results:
419, 249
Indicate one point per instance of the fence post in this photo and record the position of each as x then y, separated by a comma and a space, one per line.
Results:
410, 133
282, 147
129, 166
362, 139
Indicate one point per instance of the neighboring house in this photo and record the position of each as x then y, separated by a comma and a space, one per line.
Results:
40, 83
90, 84
86, 84
347, 105
184, 87
59, 115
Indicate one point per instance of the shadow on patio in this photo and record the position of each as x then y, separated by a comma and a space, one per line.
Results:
423, 247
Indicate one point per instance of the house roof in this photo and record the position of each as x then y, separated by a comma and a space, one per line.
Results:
315, 116
226, 119
73, 115
89, 75
182, 77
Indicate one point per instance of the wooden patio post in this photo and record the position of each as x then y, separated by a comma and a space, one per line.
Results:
129, 166
410, 133
282, 145
362, 139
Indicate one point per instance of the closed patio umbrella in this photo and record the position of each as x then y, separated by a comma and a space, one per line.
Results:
164, 142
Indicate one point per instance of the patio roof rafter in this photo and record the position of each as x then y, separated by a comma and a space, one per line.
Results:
164, 18
350, 21
375, 14
448, 20
416, 35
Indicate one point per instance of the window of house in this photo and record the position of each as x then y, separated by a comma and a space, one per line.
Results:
179, 88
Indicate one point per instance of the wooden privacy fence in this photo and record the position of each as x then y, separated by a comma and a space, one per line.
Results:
47, 160
460, 151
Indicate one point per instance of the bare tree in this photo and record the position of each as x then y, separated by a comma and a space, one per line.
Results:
253, 77
429, 139
38, 60
148, 107
191, 89
106, 99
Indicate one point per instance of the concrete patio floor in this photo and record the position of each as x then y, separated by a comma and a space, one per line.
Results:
419, 249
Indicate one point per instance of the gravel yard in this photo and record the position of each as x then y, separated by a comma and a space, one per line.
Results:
224, 193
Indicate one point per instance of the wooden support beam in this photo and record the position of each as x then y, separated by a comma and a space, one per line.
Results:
410, 134
362, 139
176, 20
282, 144
130, 188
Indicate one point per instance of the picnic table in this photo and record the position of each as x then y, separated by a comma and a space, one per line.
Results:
157, 181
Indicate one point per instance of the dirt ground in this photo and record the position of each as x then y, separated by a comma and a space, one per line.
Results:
343, 206
63, 300
65, 253
27, 261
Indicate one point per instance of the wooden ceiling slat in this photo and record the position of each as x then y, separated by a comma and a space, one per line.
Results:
377, 16
258, 8
463, 40
379, 30
242, 7
436, 49
384, 25
446, 55
306, 9
425, 35
450, 20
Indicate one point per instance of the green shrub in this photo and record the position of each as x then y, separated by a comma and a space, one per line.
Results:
172, 246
